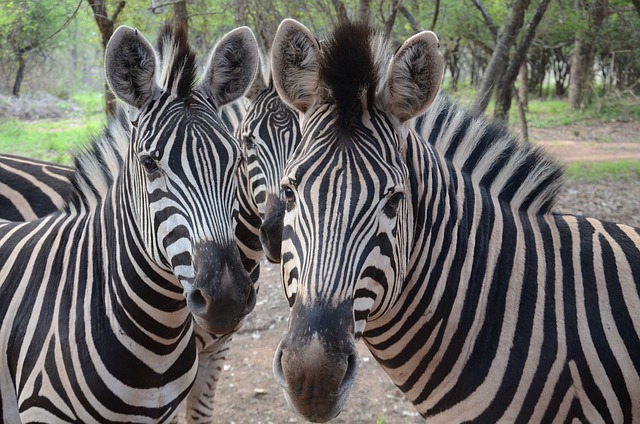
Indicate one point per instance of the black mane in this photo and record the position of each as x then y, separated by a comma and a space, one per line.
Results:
177, 60
349, 70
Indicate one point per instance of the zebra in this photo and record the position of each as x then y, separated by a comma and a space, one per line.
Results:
31, 188
269, 132
479, 303
153, 215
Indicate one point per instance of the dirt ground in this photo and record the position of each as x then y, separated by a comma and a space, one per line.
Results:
247, 392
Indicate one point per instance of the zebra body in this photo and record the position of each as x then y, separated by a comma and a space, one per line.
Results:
99, 299
441, 254
30, 189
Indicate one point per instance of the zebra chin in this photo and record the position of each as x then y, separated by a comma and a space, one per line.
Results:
316, 365
222, 293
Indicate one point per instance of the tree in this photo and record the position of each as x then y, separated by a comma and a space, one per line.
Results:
505, 88
106, 26
500, 58
28, 27
581, 73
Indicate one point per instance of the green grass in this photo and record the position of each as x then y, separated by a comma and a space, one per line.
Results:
598, 171
54, 140
552, 111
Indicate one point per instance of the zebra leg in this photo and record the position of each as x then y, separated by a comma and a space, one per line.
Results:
199, 403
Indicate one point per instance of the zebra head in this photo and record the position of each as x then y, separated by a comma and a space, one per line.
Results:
270, 131
180, 169
345, 238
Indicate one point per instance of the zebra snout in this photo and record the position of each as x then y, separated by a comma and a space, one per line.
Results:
222, 293
316, 364
271, 228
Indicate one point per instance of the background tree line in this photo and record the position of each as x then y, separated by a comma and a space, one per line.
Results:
506, 50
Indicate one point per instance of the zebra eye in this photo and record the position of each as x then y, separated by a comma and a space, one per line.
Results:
249, 140
391, 207
289, 195
149, 163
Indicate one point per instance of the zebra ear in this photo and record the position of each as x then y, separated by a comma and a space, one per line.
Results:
232, 66
295, 57
260, 82
130, 65
414, 77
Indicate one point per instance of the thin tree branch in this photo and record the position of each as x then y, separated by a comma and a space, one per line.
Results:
24, 50
114, 16
487, 19
415, 25
393, 12
436, 12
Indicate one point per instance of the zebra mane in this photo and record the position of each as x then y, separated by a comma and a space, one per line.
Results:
351, 64
177, 61
519, 174
99, 163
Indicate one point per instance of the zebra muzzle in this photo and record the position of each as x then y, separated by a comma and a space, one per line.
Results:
317, 363
222, 293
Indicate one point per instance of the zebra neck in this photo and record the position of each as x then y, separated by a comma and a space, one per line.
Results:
147, 291
463, 247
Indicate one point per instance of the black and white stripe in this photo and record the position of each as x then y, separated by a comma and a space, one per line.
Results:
33, 189
441, 252
113, 341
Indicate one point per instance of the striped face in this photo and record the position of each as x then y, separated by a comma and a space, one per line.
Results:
181, 168
345, 238
270, 133
183, 163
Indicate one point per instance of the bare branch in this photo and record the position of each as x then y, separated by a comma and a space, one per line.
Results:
415, 25
56, 32
487, 19
436, 12
393, 12
114, 16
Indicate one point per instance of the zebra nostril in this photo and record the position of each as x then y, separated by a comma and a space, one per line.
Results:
196, 300
251, 300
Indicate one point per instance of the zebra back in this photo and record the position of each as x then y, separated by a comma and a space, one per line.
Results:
519, 174
31, 188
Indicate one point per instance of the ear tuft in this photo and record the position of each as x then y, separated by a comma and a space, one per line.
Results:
414, 77
130, 64
295, 65
232, 66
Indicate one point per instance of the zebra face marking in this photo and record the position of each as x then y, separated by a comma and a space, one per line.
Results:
271, 132
182, 164
345, 237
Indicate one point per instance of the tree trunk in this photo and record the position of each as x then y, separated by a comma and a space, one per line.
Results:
500, 58
19, 75
391, 20
365, 11
180, 15
106, 26
523, 87
581, 72
504, 90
